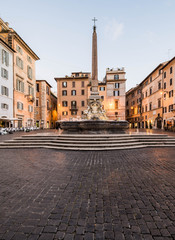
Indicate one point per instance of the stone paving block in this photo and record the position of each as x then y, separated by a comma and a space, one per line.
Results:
93, 195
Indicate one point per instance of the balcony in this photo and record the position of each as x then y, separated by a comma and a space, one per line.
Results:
73, 108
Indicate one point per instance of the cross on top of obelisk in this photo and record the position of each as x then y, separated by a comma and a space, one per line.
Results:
94, 20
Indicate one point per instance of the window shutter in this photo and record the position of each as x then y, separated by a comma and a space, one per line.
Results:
17, 105
21, 64
22, 85
113, 93
7, 91
33, 92
3, 52
7, 74
7, 59
1, 72
22, 106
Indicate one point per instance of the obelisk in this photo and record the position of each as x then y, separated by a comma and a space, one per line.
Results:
94, 81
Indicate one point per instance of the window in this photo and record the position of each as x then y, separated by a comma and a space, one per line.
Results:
47, 90
116, 93
159, 85
19, 105
116, 104
48, 105
133, 94
19, 62
164, 95
171, 70
73, 112
82, 103
117, 85
31, 91
76, 74
73, 84
82, 92
102, 88
150, 106
146, 93
4, 73
19, 85
64, 93
82, 112
37, 87
164, 86
150, 90
29, 59
4, 106
29, 72
82, 84
37, 102
64, 113
151, 79
171, 93
4, 91
171, 81
146, 83
165, 110
164, 74
146, 108
73, 104
160, 71
142, 109
5, 57
30, 108
102, 97
170, 107
116, 77
19, 49
64, 103
126, 103
64, 84
159, 102
73, 92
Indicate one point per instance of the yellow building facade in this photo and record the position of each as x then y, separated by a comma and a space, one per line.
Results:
24, 77
157, 101
46, 105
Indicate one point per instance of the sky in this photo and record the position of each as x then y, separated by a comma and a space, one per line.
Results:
135, 34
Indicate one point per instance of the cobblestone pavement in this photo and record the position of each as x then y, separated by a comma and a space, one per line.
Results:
47, 194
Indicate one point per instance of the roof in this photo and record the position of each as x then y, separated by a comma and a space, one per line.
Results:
160, 65
53, 94
7, 45
44, 81
67, 78
12, 31
168, 62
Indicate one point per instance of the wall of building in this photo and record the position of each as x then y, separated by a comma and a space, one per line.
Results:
69, 112
7, 82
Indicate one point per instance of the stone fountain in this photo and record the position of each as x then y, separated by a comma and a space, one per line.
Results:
94, 117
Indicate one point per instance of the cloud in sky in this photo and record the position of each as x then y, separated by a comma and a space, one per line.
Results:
114, 29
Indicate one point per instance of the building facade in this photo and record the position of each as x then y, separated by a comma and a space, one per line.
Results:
114, 104
157, 103
24, 81
133, 107
73, 93
46, 105
6, 85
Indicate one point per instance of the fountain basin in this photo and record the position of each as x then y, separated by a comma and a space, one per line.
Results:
96, 125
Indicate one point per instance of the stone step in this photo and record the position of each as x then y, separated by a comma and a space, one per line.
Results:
89, 145
84, 149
